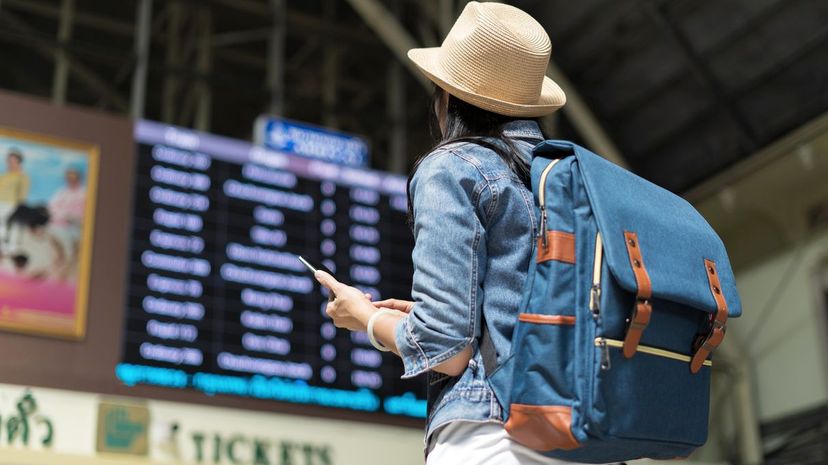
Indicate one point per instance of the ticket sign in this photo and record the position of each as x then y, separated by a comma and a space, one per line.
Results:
217, 299
311, 141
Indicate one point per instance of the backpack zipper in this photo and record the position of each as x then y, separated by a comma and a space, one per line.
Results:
542, 200
604, 343
595, 291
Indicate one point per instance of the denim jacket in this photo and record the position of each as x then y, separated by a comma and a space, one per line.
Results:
474, 229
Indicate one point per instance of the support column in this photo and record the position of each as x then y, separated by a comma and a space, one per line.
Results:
395, 101
396, 114
395, 36
330, 65
143, 21
276, 58
61, 75
169, 101
204, 65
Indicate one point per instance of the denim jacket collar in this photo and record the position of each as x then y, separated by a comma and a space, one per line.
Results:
523, 128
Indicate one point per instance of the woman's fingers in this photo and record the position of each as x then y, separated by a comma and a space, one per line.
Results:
327, 280
395, 304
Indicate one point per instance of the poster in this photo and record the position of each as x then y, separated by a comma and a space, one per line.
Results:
47, 200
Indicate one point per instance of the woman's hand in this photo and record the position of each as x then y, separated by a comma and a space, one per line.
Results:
404, 306
350, 307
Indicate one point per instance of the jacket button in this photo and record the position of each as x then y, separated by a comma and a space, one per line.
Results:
473, 364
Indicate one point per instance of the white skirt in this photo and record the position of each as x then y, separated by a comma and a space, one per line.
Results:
472, 443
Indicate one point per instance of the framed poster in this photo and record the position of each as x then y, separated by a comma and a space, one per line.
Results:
47, 215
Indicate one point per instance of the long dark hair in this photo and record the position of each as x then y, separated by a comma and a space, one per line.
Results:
468, 123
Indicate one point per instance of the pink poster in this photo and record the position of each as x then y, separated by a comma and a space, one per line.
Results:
47, 200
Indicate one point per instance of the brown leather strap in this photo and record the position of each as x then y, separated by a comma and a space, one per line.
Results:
559, 246
642, 310
708, 343
546, 319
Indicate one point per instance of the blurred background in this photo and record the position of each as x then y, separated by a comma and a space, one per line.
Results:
162, 161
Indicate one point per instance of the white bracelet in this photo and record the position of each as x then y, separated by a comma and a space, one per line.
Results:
371, 322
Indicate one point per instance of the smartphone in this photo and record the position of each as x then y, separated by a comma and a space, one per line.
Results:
312, 269
307, 264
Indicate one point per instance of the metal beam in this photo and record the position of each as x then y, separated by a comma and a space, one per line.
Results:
139, 76
20, 32
584, 120
743, 30
90, 20
390, 31
400, 41
395, 106
302, 23
170, 94
203, 114
817, 42
781, 147
61, 74
330, 68
229, 38
702, 72
276, 58
395, 99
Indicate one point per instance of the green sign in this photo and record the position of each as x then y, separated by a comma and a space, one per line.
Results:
123, 429
26, 424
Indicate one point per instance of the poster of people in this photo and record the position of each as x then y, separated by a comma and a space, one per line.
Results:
47, 200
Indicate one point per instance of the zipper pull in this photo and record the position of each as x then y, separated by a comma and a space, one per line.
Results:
605, 355
542, 230
595, 300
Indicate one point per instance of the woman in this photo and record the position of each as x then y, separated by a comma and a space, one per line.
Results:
474, 229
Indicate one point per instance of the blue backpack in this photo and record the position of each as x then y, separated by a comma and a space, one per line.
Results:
627, 296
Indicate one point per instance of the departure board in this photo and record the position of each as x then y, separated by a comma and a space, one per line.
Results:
217, 300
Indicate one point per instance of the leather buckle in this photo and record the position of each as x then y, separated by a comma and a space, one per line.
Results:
639, 319
642, 307
712, 338
706, 343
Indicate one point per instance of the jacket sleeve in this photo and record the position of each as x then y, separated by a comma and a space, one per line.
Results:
448, 194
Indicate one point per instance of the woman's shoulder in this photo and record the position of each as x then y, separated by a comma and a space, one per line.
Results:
450, 159
466, 158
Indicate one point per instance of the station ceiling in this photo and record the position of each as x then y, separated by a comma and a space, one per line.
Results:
684, 88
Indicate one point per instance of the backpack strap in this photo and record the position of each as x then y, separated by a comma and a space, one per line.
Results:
706, 343
486, 347
487, 351
642, 310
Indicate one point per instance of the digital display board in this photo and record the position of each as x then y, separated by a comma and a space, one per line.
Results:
217, 300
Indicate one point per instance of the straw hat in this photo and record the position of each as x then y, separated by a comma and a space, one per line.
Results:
494, 57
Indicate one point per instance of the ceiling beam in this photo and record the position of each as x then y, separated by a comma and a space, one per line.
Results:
299, 23
389, 29
303, 22
19, 31
703, 73
584, 120
41, 8
392, 33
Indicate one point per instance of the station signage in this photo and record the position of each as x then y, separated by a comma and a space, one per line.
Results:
311, 141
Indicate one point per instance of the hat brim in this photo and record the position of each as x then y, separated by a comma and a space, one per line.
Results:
552, 97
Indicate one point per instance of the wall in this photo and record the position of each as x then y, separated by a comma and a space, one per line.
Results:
89, 365
772, 214
783, 329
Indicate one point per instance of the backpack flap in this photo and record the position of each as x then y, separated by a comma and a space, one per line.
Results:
656, 245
